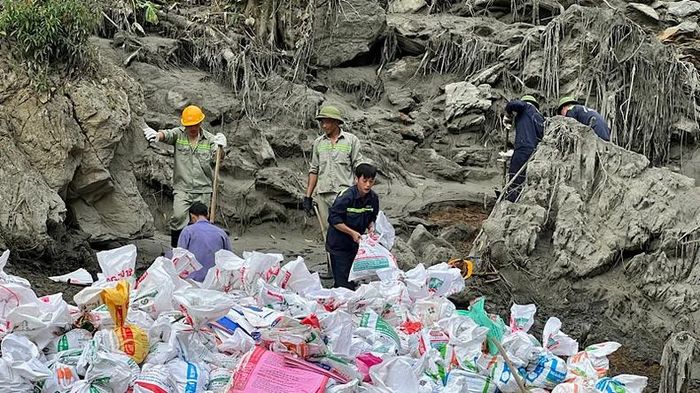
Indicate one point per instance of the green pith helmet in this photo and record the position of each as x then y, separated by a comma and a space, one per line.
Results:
330, 112
530, 99
565, 101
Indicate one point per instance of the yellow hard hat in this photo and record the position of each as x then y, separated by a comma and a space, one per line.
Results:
191, 116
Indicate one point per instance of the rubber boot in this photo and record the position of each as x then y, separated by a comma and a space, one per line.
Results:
174, 236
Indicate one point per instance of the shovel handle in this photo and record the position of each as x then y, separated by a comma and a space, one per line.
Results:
215, 186
513, 370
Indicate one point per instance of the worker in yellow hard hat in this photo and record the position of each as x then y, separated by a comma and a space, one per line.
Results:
195, 151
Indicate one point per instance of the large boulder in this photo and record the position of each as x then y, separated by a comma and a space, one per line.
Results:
428, 249
683, 9
105, 198
344, 30
46, 131
405, 256
104, 115
623, 203
72, 150
465, 106
436, 164
280, 184
362, 82
260, 149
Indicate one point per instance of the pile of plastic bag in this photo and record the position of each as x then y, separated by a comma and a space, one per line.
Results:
257, 324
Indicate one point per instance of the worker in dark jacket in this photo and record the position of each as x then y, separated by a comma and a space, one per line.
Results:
353, 212
569, 107
529, 129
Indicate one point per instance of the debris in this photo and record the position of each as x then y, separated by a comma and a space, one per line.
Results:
676, 361
257, 326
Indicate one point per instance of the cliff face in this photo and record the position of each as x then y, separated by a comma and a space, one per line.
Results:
67, 157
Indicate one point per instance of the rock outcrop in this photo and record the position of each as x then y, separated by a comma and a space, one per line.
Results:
343, 31
428, 249
71, 152
596, 212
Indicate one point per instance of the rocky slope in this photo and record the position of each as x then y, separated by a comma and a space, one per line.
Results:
608, 229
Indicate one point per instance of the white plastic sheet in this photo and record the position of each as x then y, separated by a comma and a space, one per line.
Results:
522, 317
385, 231
8, 278
118, 264
296, 277
77, 277
556, 341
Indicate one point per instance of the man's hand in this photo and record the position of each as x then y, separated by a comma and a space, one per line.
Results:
150, 134
220, 140
507, 121
356, 236
308, 205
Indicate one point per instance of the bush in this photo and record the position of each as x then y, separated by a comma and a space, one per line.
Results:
47, 33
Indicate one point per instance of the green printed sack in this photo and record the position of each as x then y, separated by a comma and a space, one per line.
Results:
371, 256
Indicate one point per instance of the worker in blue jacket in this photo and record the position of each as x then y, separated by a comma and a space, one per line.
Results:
529, 130
353, 212
570, 107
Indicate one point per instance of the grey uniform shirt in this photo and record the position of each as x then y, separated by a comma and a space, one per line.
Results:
193, 163
334, 163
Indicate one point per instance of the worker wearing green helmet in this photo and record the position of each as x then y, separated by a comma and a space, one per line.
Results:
529, 130
570, 107
335, 155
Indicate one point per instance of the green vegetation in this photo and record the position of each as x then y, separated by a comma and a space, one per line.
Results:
49, 34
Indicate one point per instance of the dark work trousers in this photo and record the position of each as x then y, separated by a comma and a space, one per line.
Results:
341, 263
520, 157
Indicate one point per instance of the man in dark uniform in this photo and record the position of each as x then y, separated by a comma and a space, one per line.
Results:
569, 107
529, 130
353, 212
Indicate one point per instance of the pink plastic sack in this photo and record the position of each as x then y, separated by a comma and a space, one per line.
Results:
364, 362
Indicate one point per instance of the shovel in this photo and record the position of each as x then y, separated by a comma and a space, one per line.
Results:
513, 370
329, 273
215, 188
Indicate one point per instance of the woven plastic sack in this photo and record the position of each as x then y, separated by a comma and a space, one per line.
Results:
496, 327
133, 341
385, 231
371, 257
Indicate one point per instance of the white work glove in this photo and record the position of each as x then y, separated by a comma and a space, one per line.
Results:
507, 122
219, 139
150, 134
507, 154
